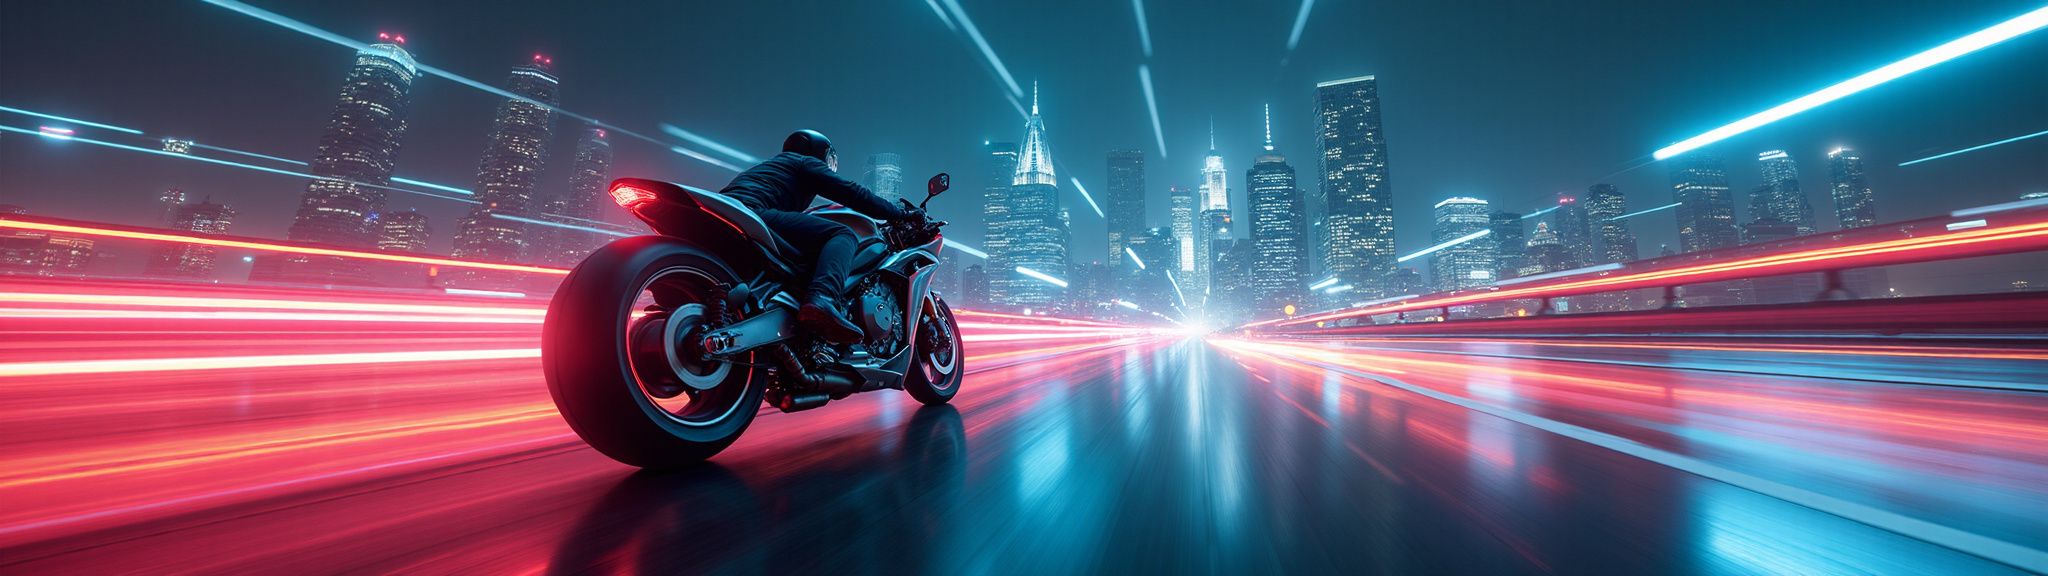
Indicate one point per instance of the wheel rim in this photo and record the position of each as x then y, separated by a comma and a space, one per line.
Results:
942, 348
669, 370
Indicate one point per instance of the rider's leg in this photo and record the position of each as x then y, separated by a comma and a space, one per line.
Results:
829, 247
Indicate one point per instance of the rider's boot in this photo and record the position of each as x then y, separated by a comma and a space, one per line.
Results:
822, 317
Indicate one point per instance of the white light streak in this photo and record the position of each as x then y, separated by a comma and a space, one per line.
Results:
69, 120
705, 158
1085, 196
1047, 278
561, 225
1152, 103
1447, 244
973, 33
1339, 289
1134, 257
1973, 42
678, 132
1560, 274
1538, 213
1144, 32
1966, 225
1300, 23
942, 15
969, 250
1323, 283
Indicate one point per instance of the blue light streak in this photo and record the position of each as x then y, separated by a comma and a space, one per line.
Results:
1446, 244
1041, 276
1134, 257
425, 184
70, 120
561, 225
1538, 213
1973, 42
1300, 23
678, 132
1129, 305
1144, 32
2001, 207
1324, 283
1086, 196
969, 250
705, 158
1339, 289
232, 164
1975, 148
1152, 103
310, 30
1176, 289
1642, 212
942, 15
973, 33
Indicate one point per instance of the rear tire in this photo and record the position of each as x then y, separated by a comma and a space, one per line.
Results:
590, 369
941, 363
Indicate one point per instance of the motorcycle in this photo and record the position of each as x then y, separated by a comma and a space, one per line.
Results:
659, 349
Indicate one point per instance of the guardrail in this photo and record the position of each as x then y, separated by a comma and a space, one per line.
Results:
1986, 231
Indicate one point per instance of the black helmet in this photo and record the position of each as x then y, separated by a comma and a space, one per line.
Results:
809, 143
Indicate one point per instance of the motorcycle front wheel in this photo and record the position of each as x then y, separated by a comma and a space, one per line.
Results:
940, 364
620, 351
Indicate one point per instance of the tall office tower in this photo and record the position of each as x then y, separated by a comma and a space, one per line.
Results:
1706, 210
192, 260
1180, 204
1467, 265
1089, 288
1604, 205
1786, 201
1126, 204
884, 175
1279, 234
1855, 207
405, 231
1575, 229
1038, 230
173, 201
1231, 292
1546, 252
1354, 166
974, 286
1212, 221
1510, 243
507, 174
590, 180
357, 153
1001, 170
1149, 287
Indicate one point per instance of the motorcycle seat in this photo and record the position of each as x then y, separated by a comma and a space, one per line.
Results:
743, 219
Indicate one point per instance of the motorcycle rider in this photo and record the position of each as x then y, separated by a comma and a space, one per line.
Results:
779, 189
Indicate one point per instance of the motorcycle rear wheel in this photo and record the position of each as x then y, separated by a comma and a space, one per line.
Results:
617, 347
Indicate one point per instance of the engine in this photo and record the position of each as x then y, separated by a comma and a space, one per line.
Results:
879, 312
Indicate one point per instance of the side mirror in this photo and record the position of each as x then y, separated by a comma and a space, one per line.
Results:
933, 187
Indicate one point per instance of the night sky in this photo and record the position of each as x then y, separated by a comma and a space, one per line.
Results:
1506, 101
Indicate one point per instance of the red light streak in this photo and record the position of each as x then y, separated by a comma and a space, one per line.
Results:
1991, 240
56, 368
269, 247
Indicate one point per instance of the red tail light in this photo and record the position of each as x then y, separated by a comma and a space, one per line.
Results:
631, 198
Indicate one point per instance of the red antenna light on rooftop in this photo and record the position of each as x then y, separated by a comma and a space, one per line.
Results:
399, 37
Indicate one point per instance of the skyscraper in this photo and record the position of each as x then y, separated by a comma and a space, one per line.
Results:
1160, 251
405, 231
1037, 229
1604, 205
587, 199
884, 175
508, 172
1126, 214
1354, 166
1546, 252
1706, 210
1001, 170
173, 201
1180, 203
357, 154
1279, 233
1854, 205
1510, 244
974, 286
192, 260
1574, 229
1786, 201
1467, 265
1212, 223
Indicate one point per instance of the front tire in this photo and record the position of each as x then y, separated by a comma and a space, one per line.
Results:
941, 363
620, 381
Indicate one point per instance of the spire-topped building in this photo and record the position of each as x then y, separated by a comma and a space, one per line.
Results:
1269, 130
1213, 224
1034, 160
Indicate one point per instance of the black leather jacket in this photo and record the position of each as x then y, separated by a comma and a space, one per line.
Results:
790, 181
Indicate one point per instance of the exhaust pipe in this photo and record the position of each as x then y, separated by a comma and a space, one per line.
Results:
800, 402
